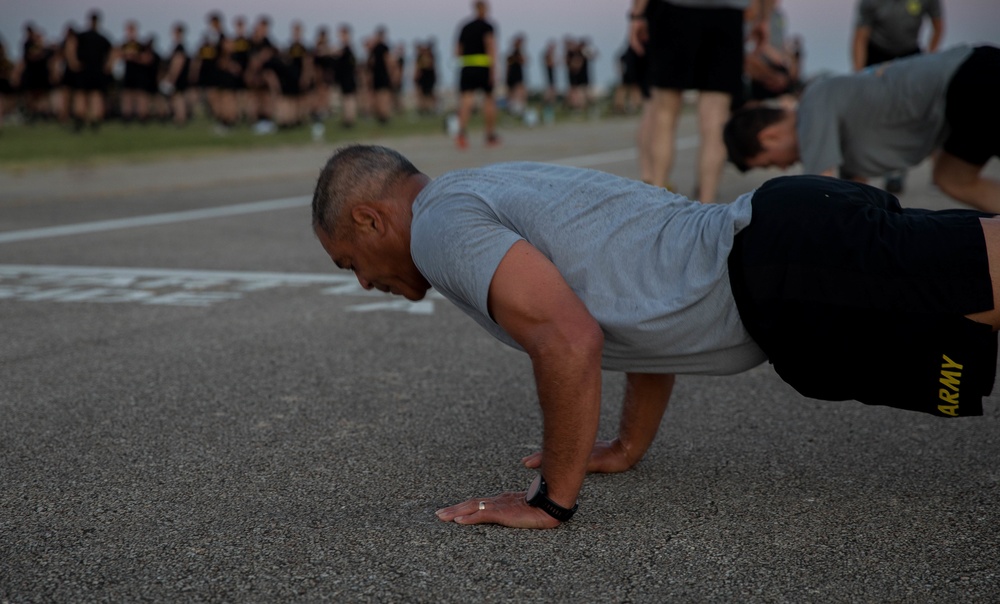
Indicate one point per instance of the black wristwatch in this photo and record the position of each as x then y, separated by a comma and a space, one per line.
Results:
538, 497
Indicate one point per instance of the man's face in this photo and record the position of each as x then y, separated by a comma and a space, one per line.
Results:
379, 261
779, 148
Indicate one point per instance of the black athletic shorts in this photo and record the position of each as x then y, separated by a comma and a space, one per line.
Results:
91, 80
971, 108
695, 48
475, 78
852, 297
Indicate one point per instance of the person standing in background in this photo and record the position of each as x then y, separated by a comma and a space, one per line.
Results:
239, 62
176, 81
517, 94
476, 50
132, 53
425, 77
890, 29
382, 69
88, 55
694, 45
347, 78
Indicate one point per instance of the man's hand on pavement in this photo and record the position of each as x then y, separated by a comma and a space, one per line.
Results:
508, 509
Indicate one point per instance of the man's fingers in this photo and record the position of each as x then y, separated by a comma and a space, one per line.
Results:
462, 509
533, 461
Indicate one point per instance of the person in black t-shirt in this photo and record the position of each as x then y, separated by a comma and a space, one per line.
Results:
324, 63
134, 97
425, 77
213, 72
35, 82
477, 53
382, 70
6, 86
345, 71
89, 58
260, 78
517, 94
239, 61
176, 82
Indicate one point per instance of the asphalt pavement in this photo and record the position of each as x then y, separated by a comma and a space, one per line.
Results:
196, 406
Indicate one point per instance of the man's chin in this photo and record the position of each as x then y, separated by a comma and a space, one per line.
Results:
415, 296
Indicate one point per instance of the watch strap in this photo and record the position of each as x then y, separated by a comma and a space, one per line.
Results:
541, 501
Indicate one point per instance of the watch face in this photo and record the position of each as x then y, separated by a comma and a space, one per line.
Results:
533, 489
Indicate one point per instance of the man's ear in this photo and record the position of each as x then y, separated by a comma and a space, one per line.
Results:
368, 219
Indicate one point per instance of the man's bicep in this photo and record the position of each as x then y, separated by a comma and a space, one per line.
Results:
531, 301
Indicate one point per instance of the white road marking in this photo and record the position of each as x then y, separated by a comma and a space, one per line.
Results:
178, 287
154, 219
423, 307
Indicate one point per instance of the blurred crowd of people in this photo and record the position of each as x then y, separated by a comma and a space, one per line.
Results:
237, 73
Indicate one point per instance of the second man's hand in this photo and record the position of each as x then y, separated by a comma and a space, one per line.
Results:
608, 456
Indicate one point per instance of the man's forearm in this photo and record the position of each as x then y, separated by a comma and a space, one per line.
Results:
859, 53
646, 398
569, 392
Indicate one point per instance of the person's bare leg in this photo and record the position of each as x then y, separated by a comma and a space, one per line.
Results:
713, 111
490, 116
667, 104
465, 103
644, 142
963, 181
991, 231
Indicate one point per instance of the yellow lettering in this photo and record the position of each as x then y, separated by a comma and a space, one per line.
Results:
951, 379
949, 397
951, 410
949, 364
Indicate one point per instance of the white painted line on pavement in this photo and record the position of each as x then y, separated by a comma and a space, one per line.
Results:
180, 287
155, 219
579, 161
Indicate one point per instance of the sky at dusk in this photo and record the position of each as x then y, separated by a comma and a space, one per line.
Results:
825, 25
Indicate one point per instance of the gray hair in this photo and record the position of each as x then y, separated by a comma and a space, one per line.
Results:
355, 174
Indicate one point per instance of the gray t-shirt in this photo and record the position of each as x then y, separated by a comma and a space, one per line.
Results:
887, 117
895, 24
650, 266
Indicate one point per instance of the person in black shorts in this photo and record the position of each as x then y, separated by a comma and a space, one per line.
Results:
6, 87
176, 81
134, 96
425, 77
694, 46
239, 62
381, 70
517, 94
324, 63
476, 49
35, 83
346, 70
259, 77
214, 72
89, 57
849, 295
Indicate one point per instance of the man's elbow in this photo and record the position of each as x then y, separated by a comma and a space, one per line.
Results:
581, 340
